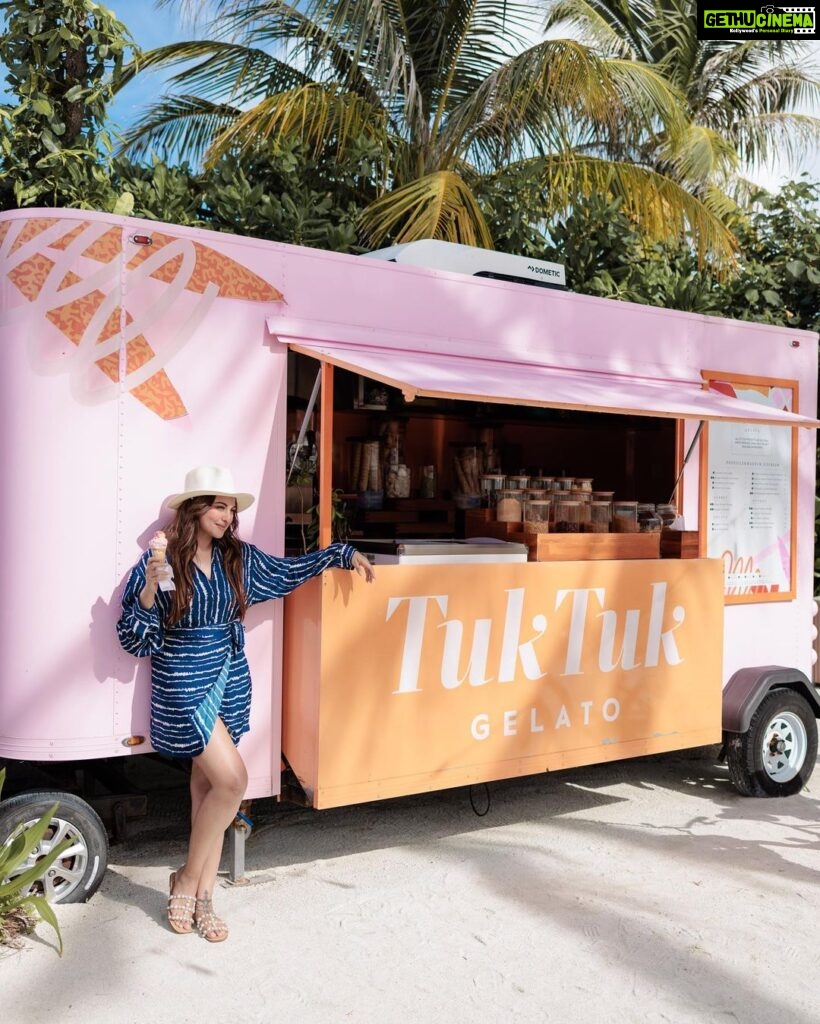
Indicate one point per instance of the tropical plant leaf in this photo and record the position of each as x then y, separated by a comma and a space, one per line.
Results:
660, 207
43, 908
15, 853
439, 205
180, 124
310, 113
27, 878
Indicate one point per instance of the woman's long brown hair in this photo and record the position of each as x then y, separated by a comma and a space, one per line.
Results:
182, 538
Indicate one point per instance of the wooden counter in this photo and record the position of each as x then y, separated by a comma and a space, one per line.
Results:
440, 676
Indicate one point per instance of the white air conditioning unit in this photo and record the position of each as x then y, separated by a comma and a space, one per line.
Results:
467, 259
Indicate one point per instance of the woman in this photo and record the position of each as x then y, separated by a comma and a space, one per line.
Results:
200, 683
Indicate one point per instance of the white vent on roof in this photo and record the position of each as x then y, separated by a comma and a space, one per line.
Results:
467, 259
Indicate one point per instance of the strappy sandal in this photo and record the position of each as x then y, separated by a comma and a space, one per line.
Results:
209, 926
180, 909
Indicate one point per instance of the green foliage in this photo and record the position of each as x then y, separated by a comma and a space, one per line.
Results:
778, 280
289, 194
775, 279
62, 59
605, 255
339, 522
19, 910
171, 194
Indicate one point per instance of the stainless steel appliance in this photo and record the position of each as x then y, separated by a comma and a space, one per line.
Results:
438, 552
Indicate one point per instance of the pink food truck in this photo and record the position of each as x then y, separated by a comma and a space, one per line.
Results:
592, 521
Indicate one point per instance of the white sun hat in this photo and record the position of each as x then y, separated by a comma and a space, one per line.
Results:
214, 480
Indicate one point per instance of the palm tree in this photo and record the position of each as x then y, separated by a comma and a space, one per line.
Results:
452, 93
743, 99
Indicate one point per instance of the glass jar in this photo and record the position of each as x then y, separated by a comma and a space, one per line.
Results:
583, 483
467, 468
429, 488
668, 514
567, 517
491, 484
508, 506
533, 494
564, 483
603, 496
397, 481
624, 517
544, 483
537, 516
517, 483
370, 484
600, 517
391, 436
648, 519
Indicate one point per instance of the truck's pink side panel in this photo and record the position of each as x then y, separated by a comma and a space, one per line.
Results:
123, 366
105, 405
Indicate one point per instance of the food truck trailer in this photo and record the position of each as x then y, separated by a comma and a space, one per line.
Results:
134, 350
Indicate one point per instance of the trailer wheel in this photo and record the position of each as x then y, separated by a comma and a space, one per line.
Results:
776, 755
76, 876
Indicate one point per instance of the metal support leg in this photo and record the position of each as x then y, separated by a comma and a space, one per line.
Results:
236, 850
240, 830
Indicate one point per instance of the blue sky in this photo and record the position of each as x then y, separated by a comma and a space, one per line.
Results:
150, 27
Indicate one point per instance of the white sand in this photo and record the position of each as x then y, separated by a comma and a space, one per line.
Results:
645, 891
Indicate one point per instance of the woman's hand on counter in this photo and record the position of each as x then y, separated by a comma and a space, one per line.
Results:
363, 566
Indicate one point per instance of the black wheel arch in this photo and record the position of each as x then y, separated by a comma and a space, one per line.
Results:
748, 686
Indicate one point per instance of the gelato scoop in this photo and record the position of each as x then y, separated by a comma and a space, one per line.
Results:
158, 544
165, 573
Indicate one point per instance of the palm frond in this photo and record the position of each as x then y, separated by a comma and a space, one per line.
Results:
792, 138
311, 113
455, 45
179, 124
609, 28
529, 101
227, 72
304, 42
439, 205
361, 41
775, 90
660, 208
700, 155
628, 28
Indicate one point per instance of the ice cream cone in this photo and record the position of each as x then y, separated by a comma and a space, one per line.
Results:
159, 545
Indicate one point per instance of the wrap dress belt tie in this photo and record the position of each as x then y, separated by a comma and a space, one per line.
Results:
229, 638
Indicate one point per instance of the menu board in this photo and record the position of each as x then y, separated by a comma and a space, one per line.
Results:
748, 496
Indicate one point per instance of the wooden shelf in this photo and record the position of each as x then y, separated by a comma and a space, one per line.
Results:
581, 547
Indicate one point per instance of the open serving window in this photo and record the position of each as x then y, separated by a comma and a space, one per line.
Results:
623, 432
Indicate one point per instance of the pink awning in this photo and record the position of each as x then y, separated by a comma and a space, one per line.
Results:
438, 375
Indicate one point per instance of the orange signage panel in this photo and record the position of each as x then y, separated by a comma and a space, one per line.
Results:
439, 676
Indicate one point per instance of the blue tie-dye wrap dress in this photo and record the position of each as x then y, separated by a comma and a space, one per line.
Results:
198, 667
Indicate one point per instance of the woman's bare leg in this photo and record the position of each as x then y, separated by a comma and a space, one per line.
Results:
218, 782
200, 787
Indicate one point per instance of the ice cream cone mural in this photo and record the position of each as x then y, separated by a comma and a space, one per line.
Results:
103, 313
